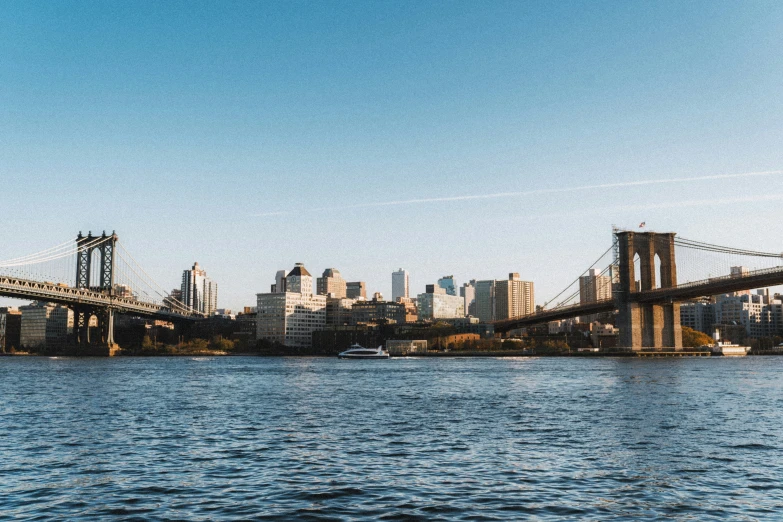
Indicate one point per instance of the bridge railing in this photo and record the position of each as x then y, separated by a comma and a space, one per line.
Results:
711, 280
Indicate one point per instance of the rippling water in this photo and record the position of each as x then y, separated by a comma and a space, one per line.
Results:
405, 439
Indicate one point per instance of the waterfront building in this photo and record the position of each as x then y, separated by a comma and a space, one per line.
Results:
437, 304
447, 283
247, 324
290, 318
45, 325
513, 297
339, 310
406, 347
411, 311
485, 301
471, 325
468, 293
356, 290
377, 311
758, 314
332, 284
10, 328
400, 284
198, 291
698, 315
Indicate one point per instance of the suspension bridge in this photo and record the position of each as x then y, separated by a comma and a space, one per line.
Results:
643, 278
646, 277
96, 277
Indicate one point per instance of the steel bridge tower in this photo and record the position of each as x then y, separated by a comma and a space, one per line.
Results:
104, 246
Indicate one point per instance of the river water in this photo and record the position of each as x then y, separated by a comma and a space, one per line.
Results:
237, 438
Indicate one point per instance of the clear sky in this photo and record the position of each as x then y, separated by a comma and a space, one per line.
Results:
249, 136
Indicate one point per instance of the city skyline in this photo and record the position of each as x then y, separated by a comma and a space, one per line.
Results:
386, 136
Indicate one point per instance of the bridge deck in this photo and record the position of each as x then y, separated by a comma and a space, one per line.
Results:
713, 286
68, 296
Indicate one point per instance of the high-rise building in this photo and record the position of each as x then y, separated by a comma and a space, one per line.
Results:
356, 290
290, 317
594, 287
279, 285
437, 304
198, 291
447, 283
46, 325
468, 293
513, 297
485, 300
299, 280
332, 284
400, 284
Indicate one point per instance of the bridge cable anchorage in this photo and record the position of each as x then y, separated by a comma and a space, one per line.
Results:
614, 244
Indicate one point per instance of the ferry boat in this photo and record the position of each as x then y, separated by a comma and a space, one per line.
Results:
358, 351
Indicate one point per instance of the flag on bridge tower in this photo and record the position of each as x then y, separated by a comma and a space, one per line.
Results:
642, 224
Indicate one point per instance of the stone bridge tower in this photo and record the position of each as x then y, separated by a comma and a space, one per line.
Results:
644, 325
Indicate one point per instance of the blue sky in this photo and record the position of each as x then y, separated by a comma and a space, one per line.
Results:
210, 131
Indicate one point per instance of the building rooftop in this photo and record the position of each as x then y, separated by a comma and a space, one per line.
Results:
299, 270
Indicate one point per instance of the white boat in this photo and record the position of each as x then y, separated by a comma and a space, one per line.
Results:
727, 349
730, 349
358, 351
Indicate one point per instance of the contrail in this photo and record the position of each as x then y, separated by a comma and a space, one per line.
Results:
496, 195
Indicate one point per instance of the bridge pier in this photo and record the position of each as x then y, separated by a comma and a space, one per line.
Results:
645, 325
100, 344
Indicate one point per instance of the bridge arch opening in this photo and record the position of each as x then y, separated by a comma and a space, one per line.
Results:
637, 273
657, 272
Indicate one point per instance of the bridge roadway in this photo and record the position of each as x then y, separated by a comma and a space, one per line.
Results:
68, 296
708, 287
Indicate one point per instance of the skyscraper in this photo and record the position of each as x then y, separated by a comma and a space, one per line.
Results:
400, 284
485, 300
447, 283
468, 292
332, 284
594, 287
299, 280
513, 297
198, 291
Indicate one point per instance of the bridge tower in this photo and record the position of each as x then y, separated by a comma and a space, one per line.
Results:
647, 325
105, 247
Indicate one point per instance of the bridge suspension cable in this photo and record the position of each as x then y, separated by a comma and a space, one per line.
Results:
131, 273
576, 281
697, 245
